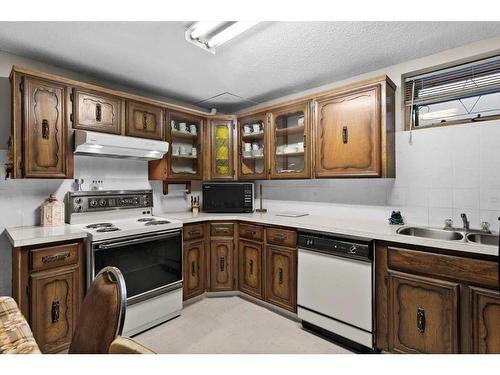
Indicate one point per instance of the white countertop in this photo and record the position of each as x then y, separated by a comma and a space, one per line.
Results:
370, 229
35, 235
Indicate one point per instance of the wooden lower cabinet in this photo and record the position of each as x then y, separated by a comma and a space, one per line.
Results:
424, 315
221, 264
250, 268
485, 304
54, 306
281, 277
48, 285
194, 269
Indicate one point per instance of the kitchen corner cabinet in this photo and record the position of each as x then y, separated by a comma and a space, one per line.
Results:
289, 146
194, 268
433, 302
97, 112
48, 286
220, 160
221, 264
41, 144
354, 132
144, 121
251, 268
184, 160
253, 147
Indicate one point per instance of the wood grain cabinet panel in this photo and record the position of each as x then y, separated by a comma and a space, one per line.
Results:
54, 256
54, 307
96, 112
194, 269
193, 231
348, 135
222, 229
424, 315
251, 232
250, 268
221, 264
281, 237
144, 121
281, 277
44, 129
485, 305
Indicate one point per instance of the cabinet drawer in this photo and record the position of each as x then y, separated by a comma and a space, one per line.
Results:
194, 231
281, 237
474, 271
251, 232
222, 229
54, 256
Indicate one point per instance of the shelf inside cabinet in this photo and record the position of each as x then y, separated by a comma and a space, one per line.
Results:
249, 136
185, 157
298, 153
291, 130
253, 157
183, 134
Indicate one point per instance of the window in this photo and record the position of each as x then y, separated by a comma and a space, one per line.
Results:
464, 93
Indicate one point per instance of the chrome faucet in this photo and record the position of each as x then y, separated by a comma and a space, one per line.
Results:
466, 222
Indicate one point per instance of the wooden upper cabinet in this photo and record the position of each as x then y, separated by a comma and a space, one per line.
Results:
485, 305
144, 121
423, 315
250, 268
348, 134
253, 147
289, 141
45, 133
96, 112
220, 163
354, 132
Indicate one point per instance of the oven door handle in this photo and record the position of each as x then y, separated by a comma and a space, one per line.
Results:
105, 246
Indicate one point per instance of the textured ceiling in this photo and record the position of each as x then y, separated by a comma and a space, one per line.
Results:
270, 60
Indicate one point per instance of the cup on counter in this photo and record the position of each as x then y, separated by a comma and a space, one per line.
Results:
256, 128
182, 126
192, 129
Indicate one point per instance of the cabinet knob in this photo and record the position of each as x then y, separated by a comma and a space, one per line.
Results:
55, 311
193, 268
345, 135
280, 276
45, 129
222, 262
98, 113
250, 264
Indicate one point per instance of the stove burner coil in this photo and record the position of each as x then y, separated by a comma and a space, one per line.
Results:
157, 222
99, 225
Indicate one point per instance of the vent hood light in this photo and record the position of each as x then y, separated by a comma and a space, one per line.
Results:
209, 35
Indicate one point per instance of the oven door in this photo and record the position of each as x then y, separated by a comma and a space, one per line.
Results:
151, 264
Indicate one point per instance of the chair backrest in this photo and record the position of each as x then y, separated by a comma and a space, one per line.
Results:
102, 314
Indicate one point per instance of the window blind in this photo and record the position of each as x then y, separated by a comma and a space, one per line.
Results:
472, 79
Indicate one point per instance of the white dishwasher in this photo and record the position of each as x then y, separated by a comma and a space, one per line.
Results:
335, 288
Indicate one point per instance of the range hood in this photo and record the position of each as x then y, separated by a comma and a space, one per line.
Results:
118, 146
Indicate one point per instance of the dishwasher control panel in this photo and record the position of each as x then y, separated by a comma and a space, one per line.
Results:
360, 249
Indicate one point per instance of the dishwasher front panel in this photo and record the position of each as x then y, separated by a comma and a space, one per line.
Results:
337, 287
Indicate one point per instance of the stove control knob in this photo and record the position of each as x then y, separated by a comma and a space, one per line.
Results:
102, 203
353, 250
93, 203
78, 200
78, 208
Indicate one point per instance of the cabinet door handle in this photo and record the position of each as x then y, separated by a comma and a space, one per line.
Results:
280, 276
98, 112
193, 268
251, 232
421, 320
345, 135
45, 129
250, 263
144, 120
55, 311
305, 141
222, 230
194, 232
222, 264
279, 237
55, 257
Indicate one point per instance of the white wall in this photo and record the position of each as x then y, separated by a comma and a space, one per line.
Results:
442, 173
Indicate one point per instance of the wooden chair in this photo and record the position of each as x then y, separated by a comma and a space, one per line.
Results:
102, 314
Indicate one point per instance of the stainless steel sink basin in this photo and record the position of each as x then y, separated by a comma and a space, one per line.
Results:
483, 238
435, 234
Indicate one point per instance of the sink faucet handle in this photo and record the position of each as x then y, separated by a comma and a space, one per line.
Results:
448, 223
485, 227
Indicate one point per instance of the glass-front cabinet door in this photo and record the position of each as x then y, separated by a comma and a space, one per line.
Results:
222, 152
289, 144
185, 154
252, 147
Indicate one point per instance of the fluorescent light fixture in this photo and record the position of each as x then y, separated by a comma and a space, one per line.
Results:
439, 114
209, 35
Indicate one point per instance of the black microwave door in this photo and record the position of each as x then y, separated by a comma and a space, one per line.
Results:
224, 198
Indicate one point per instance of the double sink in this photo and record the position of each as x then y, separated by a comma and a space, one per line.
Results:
464, 235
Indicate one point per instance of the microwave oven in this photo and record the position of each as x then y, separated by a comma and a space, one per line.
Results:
227, 197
